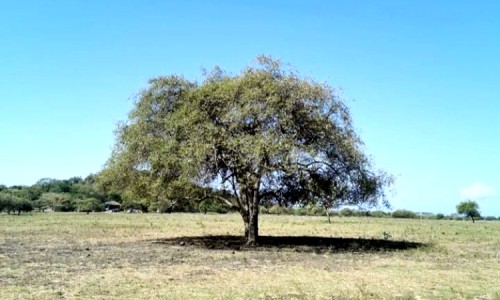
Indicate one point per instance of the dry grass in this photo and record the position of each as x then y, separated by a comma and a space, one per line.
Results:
122, 256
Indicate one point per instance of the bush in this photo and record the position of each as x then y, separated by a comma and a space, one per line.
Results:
65, 205
347, 212
490, 218
212, 206
379, 214
302, 211
439, 217
404, 214
90, 204
278, 210
318, 211
263, 210
333, 213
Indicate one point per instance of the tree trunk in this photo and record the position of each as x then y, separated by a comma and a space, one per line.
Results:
472, 217
328, 215
250, 215
252, 230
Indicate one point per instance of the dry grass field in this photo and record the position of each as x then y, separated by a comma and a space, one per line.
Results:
151, 256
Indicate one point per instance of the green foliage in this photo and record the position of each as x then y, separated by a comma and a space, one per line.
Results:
263, 210
380, 214
317, 211
469, 209
22, 205
11, 203
278, 210
404, 214
348, 212
90, 205
440, 216
302, 211
7, 202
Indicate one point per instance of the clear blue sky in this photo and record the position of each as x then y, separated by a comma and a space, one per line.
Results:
421, 78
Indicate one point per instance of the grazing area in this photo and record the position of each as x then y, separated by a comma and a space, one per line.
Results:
197, 256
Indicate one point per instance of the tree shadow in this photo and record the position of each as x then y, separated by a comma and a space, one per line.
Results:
294, 243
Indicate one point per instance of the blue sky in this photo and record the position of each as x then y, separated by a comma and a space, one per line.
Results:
421, 78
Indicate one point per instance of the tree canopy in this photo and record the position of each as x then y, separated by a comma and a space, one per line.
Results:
470, 209
265, 135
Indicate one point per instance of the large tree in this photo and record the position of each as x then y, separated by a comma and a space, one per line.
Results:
263, 135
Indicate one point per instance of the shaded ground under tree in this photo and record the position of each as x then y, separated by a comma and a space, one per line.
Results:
296, 243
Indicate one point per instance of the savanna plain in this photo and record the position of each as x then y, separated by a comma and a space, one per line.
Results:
197, 256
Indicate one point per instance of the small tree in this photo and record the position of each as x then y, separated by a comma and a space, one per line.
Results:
21, 205
469, 209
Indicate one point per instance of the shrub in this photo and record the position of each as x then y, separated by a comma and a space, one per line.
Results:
65, 205
264, 210
347, 212
439, 217
404, 214
90, 204
277, 210
317, 211
490, 218
379, 214
333, 213
302, 211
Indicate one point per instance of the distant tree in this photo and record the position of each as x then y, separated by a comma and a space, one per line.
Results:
266, 135
90, 204
59, 201
440, 216
22, 205
6, 202
469, 209
11, 203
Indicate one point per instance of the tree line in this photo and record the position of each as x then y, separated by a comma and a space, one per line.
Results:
88, 195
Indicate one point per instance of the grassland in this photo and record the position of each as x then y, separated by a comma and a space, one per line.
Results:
149, 256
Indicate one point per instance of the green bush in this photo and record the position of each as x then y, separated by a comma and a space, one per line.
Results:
379, 214
277, 210
90, 204
333, 213
317, 211
404, 214
212, 206
65, 205
302, 211
490, 218
347, 212
439, 217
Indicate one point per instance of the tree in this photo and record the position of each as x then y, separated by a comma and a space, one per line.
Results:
266, 135
21, 205
7, 202
469, 209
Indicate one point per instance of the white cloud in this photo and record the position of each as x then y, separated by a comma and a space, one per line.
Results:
476, 191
